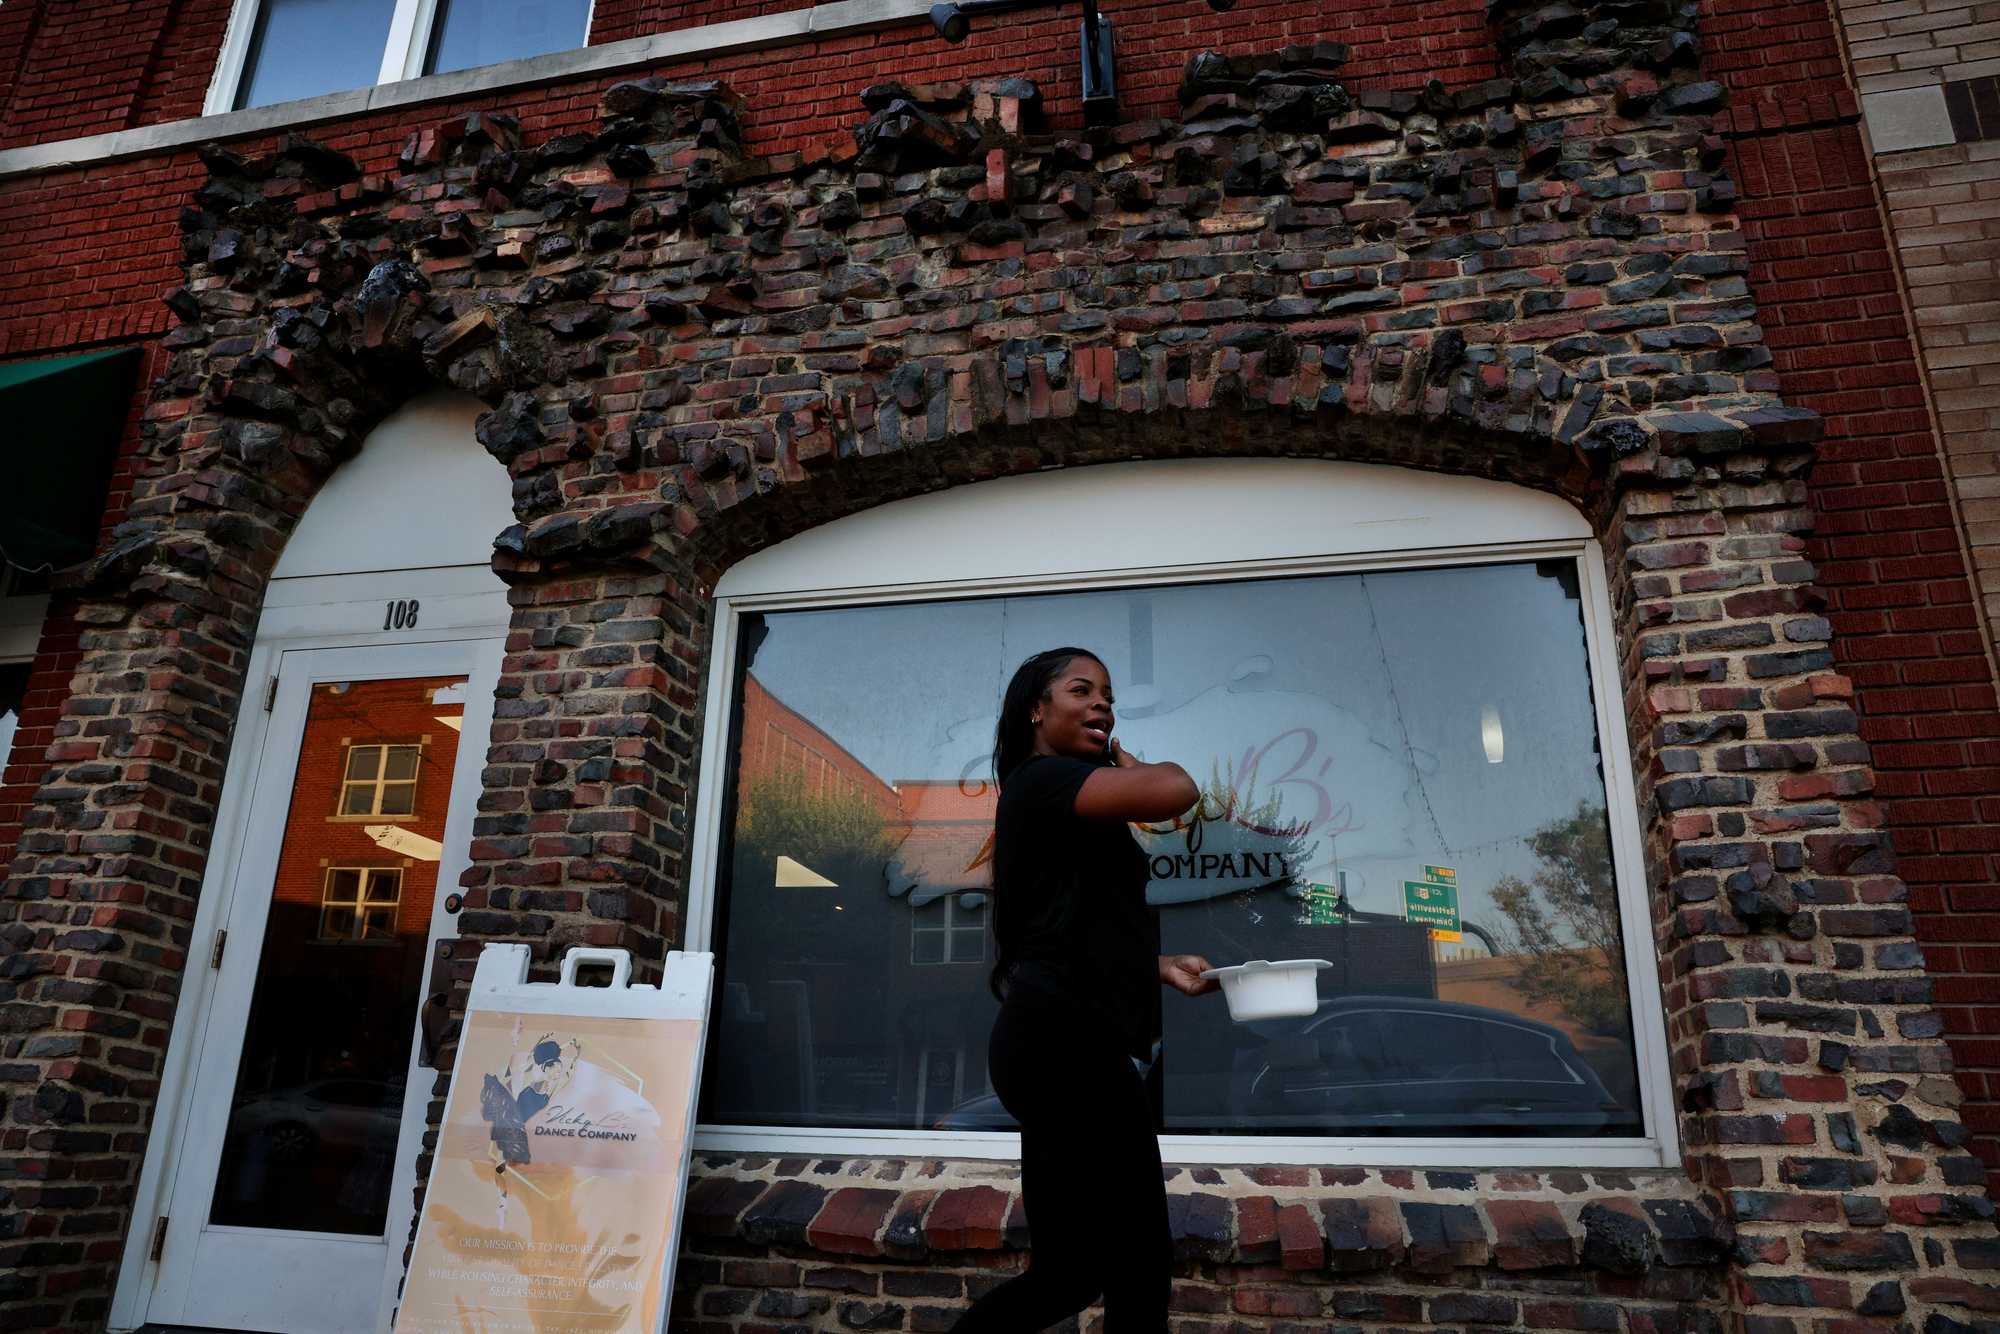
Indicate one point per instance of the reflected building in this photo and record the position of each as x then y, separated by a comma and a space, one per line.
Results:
857, 921
320, 1089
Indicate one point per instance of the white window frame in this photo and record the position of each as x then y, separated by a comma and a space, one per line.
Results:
21, 621
953, 911
379, 782
360, 903
403, 50
1242, 518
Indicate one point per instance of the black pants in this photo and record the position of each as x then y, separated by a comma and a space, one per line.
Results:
1090, 1175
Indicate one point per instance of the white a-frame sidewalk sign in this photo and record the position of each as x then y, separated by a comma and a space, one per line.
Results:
554, 1203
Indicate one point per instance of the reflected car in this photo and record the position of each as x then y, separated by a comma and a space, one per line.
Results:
343, 1113
1388, 1065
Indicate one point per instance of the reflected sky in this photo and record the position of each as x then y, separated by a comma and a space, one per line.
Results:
1353, 701
470, 33
304, 48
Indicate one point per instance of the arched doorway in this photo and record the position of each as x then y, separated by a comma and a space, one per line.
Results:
278, 1185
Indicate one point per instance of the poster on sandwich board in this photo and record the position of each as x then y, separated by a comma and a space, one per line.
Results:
554, 1201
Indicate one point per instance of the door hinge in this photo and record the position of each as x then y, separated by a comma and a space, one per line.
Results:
159, 1239
215, 951
270, 694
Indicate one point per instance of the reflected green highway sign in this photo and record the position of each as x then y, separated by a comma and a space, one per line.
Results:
1431, 903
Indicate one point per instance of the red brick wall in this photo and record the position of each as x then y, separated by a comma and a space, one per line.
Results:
1768, 51
17, 30
778, 740
83, 69
176, 84
1891, 562
90, 69
1888, 547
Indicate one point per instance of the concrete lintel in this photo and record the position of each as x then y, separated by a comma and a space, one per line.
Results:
1907, 118
797, 25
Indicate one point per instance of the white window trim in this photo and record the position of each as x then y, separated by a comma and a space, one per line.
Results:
1361, 517
404, 47
21, 620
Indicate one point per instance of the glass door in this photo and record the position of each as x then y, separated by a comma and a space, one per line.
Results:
293, 1184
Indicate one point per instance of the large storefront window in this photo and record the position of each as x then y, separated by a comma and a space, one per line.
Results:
1400, 773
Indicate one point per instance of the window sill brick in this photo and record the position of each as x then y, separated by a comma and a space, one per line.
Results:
1338, 1220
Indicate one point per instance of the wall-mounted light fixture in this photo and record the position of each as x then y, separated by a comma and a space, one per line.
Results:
951, 22
1100, 81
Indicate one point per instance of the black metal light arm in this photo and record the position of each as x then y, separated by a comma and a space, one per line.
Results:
953, 22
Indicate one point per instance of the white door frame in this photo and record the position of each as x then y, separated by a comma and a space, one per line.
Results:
462, 608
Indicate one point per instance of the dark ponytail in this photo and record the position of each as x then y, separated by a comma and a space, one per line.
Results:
1013, 743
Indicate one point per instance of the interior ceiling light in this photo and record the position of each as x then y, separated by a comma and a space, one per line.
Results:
1492, 737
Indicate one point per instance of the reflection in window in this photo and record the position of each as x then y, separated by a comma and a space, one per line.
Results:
303, 48
360, 903
380, 780
950, 930
1399, 774
317, 1110
467, 33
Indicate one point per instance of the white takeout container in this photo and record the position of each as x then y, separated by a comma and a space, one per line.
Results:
1271, 988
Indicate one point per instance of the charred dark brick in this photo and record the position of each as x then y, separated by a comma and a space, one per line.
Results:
1616, 1241
1860, 1250
783, 1213
1444, 1236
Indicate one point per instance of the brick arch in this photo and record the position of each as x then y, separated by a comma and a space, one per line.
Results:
1231, 425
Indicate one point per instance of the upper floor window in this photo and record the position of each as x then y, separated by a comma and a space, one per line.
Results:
360, 903
282, 50
380, 780
468, 33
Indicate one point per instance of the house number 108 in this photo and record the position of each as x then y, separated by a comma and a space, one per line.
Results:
400, 614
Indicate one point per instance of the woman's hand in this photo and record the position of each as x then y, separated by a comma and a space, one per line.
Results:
1183, 972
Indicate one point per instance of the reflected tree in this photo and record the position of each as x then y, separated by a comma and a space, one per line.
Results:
840, 835
1562, 923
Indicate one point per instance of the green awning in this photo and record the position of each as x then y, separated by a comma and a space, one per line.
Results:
59, 425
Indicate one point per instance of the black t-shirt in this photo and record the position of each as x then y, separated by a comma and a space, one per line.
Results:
1075, 890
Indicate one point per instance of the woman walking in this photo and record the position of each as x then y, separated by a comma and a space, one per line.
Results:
1078, 974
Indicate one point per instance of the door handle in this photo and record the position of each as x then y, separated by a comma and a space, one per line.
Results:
435, 1027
